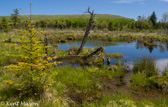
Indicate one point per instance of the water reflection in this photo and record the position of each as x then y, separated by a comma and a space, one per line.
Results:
131, 51
163, 46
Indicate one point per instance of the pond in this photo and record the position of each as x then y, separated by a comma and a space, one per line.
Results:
131, 51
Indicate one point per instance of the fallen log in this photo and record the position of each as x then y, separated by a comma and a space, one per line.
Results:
96, 51
74, 55
79, 56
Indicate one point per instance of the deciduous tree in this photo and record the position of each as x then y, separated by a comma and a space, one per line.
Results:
4, 25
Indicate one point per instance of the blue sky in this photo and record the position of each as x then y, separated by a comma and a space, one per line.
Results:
126, 8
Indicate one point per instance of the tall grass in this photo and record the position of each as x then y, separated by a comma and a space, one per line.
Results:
145, 65
80, 84
122, 100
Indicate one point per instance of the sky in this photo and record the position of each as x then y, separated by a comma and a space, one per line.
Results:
126, 8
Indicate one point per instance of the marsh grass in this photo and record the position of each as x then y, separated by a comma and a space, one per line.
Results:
124, 100
111, 101
7, 49
146, 74
114, 55
139, 80
109, 72
145, 65
81, 85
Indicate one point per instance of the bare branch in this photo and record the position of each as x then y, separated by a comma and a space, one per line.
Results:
89, 10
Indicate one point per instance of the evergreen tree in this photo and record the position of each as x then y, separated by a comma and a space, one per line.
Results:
110, 26
31, 74
153, 19
15, 19
4, 25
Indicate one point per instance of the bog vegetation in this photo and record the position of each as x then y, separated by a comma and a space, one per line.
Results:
29, 60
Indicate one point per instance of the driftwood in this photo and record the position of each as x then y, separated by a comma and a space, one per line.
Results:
96, 51
87, 29
82, 56
74, 55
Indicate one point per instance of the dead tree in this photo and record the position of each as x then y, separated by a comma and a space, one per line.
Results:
46, 44
87, 29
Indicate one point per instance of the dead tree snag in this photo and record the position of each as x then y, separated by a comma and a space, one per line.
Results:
87, 29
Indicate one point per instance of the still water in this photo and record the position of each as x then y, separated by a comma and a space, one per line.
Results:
131, 51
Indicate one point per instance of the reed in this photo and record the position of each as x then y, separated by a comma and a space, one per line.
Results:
145, 65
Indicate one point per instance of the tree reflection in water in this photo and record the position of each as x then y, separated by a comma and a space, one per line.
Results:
163, 46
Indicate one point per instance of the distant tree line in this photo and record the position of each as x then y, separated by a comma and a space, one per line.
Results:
150, 22
111, 24
120, 24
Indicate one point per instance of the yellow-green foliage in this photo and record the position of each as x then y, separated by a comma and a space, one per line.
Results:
138, 80
31, 76
115, 55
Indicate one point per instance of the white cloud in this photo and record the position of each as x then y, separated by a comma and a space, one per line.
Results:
129, 1
165, 0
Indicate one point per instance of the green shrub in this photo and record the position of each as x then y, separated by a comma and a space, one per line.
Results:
160, 82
